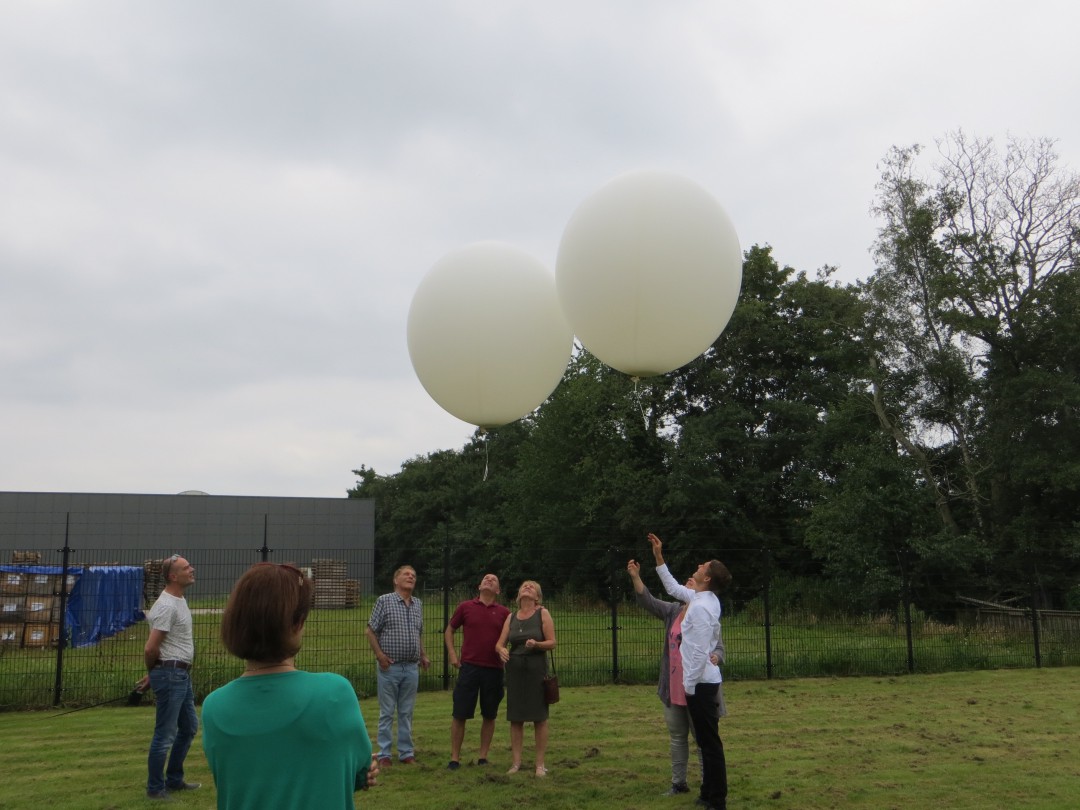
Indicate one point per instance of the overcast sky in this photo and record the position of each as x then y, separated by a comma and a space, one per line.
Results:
213, 215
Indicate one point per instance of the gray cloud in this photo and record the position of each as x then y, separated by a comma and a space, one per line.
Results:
213, 216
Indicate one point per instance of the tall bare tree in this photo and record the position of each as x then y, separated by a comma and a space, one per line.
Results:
972, 260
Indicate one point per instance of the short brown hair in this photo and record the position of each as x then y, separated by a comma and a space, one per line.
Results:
719, 577
267, 606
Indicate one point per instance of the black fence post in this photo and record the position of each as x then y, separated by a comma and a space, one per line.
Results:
1035, 619
768, 618
265, 550
58, 686
905, 597
446, 603
614, 616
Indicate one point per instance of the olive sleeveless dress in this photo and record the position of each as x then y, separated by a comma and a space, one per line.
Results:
525, 672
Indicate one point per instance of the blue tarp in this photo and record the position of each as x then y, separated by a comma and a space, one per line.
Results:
105, 599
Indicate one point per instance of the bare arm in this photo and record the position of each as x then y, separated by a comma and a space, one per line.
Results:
549, 633
500, 645
451, 652
152, 650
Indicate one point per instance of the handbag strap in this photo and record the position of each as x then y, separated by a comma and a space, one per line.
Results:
551, 652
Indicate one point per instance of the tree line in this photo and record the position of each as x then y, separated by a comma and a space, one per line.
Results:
916, 428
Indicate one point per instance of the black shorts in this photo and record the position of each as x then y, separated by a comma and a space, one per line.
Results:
473, 682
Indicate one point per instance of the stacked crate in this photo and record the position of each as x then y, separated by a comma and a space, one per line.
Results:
153, 581
12, 607
30, 602
330, 585
352, 592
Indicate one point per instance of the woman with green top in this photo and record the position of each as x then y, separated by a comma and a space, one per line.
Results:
278, 737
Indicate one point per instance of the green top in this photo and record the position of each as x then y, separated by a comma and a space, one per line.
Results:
294, 739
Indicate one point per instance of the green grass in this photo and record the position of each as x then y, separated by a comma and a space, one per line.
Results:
973, 740
802, 646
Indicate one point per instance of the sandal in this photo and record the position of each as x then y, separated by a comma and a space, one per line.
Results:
541, 770
515, 768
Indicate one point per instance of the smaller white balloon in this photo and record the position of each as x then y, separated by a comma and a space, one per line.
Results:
487, 337
648, 272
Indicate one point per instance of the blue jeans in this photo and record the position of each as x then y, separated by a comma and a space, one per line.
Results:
397, 692
175, 727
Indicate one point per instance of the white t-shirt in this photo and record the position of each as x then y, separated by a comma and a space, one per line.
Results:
171, 615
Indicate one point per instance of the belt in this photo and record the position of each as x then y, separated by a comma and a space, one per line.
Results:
173, 664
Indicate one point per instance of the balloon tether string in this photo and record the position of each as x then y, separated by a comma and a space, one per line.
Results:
637, 399
483, 437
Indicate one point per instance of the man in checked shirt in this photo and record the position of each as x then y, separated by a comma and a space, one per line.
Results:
395, 633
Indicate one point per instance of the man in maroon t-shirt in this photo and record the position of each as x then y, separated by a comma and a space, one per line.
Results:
481, 676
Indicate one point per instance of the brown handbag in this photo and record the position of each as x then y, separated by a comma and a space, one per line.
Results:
551, 679
551, 683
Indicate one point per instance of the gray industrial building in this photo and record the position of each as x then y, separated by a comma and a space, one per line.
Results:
221, 534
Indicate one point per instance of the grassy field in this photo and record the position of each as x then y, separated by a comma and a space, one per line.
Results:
987, 739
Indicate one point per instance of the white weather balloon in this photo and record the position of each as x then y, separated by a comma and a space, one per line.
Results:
486, 335
648, 272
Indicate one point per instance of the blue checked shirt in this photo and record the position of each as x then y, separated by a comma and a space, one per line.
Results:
398, 626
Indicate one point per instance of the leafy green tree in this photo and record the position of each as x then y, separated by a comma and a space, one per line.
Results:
969, 311
748, 466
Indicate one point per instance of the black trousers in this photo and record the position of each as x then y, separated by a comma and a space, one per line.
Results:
705, 716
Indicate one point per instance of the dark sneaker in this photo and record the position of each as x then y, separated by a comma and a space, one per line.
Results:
482, 761
408, 760
183, 786
454, 765
158, 795
676, 788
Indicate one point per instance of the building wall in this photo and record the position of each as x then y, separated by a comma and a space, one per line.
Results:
222, 533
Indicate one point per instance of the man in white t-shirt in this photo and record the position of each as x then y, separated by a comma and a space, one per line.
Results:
169, 652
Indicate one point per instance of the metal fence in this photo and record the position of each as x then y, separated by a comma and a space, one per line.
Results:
603, 636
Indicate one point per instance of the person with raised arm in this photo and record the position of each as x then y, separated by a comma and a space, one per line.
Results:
701, 678
670, 686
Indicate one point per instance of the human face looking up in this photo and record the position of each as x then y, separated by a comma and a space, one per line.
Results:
702, 576
490, 583
181, 573
405, 580
528, 591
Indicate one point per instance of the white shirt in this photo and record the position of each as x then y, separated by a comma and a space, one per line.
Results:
700, 631
171, 615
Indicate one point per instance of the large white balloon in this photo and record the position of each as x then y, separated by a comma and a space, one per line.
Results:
487, 337
648, 272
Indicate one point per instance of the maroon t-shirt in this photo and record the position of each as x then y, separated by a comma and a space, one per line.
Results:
483, 625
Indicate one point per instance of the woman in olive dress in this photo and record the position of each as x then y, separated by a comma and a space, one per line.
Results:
527, 635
